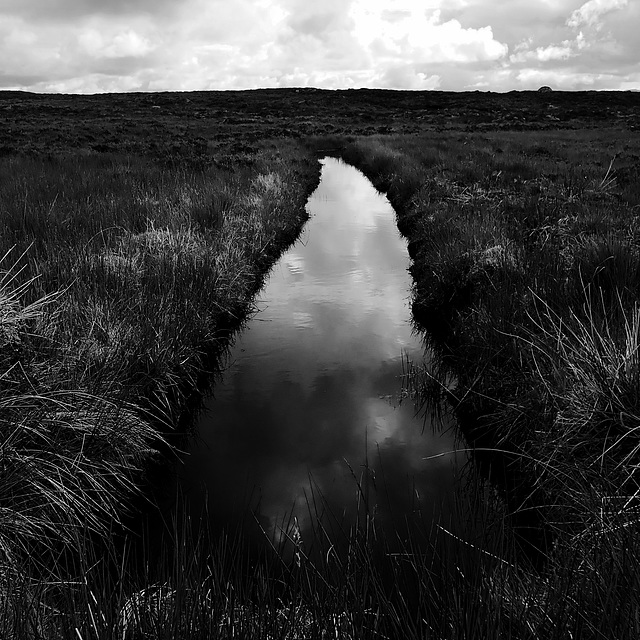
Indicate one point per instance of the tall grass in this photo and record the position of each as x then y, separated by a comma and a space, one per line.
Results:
447, 579
121, 284
526, 277
125, 280
156, 261
336, 579
68, 461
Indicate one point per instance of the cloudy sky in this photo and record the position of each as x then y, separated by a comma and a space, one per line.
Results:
90, 46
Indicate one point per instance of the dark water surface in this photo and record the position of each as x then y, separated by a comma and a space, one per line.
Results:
309, 404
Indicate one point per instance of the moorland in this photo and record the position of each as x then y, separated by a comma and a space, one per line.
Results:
136, 229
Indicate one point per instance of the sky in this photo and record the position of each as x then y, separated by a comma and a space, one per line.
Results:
96, 46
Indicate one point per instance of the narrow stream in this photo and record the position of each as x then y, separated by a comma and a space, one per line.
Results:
309, 407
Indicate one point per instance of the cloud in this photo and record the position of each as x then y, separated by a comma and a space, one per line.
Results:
591, 12
599, 53
122, 44
515, 20
420, 36
318, 20
112, 45
64, 10
408, 77
550, 53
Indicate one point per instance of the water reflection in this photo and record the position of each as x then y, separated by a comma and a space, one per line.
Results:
311, 391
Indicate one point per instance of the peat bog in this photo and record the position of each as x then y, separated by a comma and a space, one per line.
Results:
136, 231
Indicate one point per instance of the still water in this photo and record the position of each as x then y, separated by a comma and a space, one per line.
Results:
309, 405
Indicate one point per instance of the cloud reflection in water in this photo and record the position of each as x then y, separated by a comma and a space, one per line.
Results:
311, 387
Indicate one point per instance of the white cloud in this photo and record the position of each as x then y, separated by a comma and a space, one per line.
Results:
591, 12
93, 83
569, 81
119, 45
407, 77
419, 36
550, 53
554, 52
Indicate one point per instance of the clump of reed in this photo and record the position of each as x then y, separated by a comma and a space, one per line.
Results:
450, 578
447, 579
68, 459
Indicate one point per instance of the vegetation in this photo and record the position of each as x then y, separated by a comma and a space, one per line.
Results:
526, 257
346, 581
133, 241
122, 281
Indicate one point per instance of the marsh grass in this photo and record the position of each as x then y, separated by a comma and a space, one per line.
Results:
126, 278
457, 578
121, 283
526, 278
156, 263
335, 578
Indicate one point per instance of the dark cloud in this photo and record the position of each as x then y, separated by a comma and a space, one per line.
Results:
123, 66
63, 10
622, 27
8, 79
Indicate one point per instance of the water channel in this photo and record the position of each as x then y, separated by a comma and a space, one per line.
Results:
309, 408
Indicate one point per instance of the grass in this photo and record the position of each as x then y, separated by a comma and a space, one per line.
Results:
455, 579
344, 580
121, 283
525, 269
154, 261
123, 279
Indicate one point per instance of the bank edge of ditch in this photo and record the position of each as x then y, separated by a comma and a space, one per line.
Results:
529, 296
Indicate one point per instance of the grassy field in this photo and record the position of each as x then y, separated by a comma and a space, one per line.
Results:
526, 270
136, 230
122, 281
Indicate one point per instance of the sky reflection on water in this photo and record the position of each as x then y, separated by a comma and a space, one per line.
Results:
311, 391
